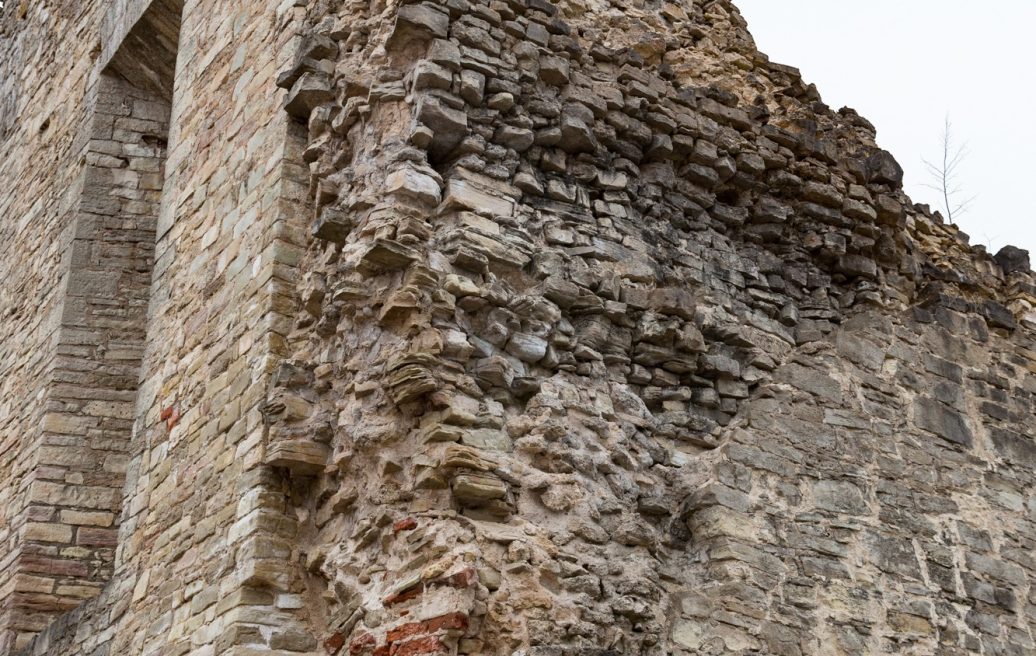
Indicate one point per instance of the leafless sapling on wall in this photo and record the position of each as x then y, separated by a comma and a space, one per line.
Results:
944, 174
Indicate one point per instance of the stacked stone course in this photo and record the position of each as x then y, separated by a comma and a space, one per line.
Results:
542, 328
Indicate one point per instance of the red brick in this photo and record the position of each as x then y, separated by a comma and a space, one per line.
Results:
362, 644
173, 419
450, 621
405, 595
404, 631
407, 524
334, 643
462, 579
428, 645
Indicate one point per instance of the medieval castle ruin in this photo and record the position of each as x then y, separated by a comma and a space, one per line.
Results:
487, 327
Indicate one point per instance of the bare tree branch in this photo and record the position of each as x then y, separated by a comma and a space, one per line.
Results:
944, 174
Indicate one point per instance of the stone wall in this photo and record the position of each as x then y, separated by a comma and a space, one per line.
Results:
218, 251
64, 549
225, 240
43, 183
69, 537
615, 339
529, 327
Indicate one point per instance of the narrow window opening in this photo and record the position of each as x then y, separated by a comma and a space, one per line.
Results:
69, 530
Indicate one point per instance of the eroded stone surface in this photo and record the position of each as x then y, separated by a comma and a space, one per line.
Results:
588, 330
716, 334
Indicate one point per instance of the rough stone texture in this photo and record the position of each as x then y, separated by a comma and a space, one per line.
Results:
504, 327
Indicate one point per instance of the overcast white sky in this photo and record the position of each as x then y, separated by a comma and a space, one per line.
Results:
905, 65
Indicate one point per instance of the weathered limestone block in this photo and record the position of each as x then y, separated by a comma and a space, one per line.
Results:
301, 457
1012, 259
311, 90
448, 125
414, 184
467, 195
422, 20
943, 421
387, 254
